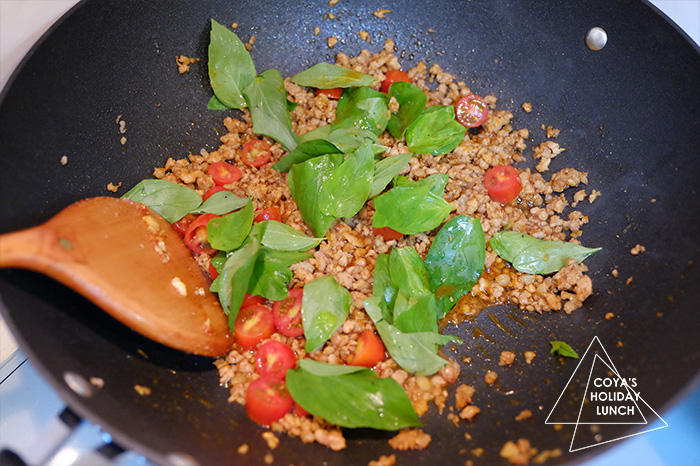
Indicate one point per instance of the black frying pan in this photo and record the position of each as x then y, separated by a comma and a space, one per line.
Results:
628, 115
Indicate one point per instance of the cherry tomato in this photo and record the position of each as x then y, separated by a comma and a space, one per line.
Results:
387, 233
196, 234
212, 191
287, 314
274, 359
267, 400
334, 93
182, 224
250, 299
502, 183
391, 77
256, 153
253, 324
271, 213
369, 351
213, 273
471, 111
224, 173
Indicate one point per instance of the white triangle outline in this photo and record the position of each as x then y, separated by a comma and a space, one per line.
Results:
612, 367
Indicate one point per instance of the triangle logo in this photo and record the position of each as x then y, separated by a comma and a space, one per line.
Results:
602, 397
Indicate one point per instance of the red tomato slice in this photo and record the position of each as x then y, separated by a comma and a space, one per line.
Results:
287, 314
224, 173
250, 299
502, 183
212, 191
391, 77
267, 400
196, 234
271, 213
256, 153
274, 359
213, 273
387, 233
253, 324
369, 351
182, 224
334, 93
471, 111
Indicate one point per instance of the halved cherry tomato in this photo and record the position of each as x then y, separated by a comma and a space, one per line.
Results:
387, 233
250, 299
196, 234
256, 153
391, 77
212, 191
369, 351
224, 173
334, 93
271, 213
267, 400
182, 224
502, 183
287, 314
274, 359
471, 111
253, 324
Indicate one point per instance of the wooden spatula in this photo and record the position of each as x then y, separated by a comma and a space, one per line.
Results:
128, 260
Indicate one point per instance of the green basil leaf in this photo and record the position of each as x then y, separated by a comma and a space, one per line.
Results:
328, 76
363, 108
385, 170
347, 187
324, 308
266, 98
414, 352
435, 131
354, 397
562, 349
436, 182
215, 104
271, 274
221, 203
408, 272
231, 67
305, 151
412, 101
456, 259
420, 315
383, 287
410, 209
232, 284
536, 256
282, 237
305, 182
171, 200
228, 233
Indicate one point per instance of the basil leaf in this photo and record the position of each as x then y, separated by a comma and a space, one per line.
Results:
216, 104
420, 315
231, 68
363, 108
271, 274
414, 352
228, 233
171, 200
562, 349
536, 256
412, 101
410, 209
383, 288
266, 98
221, 203
347, 188
456, 259
232, 284
328, 76
408, 273
305, 181
351, 397
435, 131
305, 151
385, 170
282, 237
324, 308
436, 182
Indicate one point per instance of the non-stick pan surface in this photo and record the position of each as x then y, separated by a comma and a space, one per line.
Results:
628, 116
